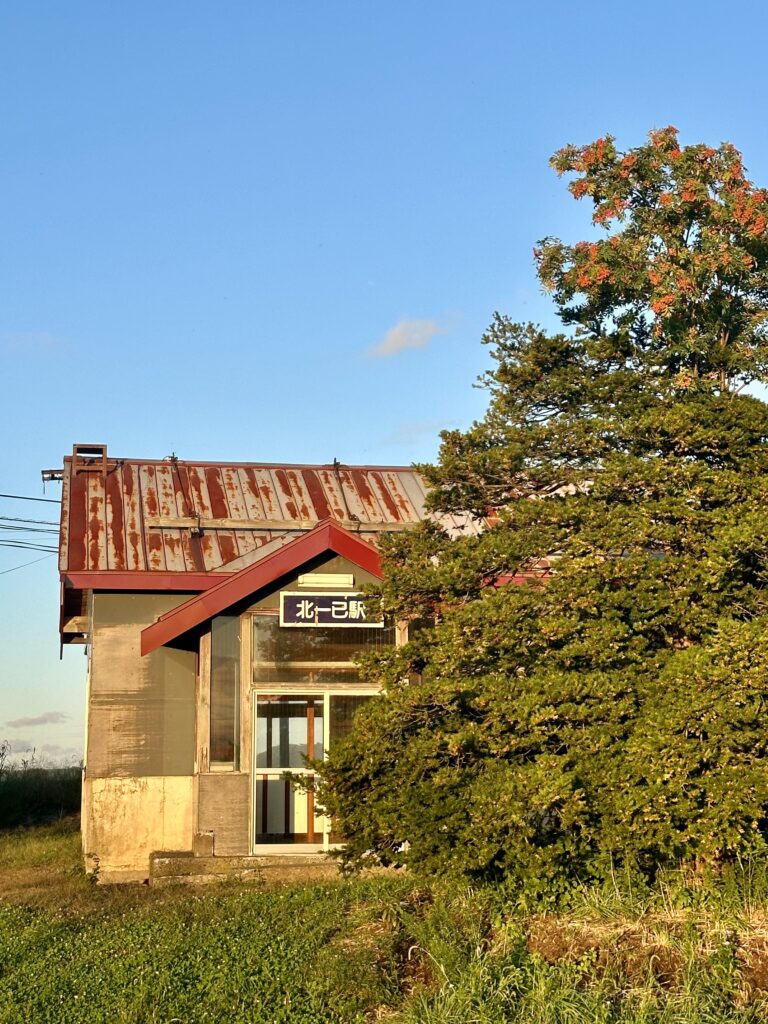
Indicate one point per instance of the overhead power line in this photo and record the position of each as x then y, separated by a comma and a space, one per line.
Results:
27, 545
26, 497
21, 519
24, 564
28, 529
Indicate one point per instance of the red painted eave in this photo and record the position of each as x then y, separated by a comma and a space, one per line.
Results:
326, 537
109, 580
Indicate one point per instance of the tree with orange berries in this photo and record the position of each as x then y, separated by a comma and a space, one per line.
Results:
614, 713
681, 278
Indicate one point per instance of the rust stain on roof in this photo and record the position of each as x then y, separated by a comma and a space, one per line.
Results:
96, 553
115, 534
146, 514
384, 495
150, 491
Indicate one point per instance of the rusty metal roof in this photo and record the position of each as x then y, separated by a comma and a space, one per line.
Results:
132, 516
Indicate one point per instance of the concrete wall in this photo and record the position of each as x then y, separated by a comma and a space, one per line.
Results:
140, 740
128, 819
224, 805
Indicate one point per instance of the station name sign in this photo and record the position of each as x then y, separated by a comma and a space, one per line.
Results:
306, 609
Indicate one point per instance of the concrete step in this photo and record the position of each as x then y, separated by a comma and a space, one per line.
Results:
184, 867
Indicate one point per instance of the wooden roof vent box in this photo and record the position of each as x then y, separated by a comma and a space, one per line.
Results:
89, 458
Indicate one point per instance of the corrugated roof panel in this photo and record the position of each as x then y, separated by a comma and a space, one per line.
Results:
285, 494
176, 549
372, 511
354, 507
198, 491
333, 493
166, 492
233, 493
406, 510
180, 517
254, 502
412, 485
220, 507
228, 549
149, 502
78, 523
386, 499
135, 543
301, 494
96, 543
317, 495
269, 498
237, 542
115, 533
180, 505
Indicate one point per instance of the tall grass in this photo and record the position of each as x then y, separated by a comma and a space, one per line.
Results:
32, 792
690, 949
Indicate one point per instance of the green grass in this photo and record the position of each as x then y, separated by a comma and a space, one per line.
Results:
234, 957
74, 951
689, 950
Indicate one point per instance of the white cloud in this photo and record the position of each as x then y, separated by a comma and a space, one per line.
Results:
47, 718
406, 334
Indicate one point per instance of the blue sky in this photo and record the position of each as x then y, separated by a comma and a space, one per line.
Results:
276, 232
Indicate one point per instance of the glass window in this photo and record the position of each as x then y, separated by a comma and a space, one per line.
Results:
225, 691
313, 655
288, 731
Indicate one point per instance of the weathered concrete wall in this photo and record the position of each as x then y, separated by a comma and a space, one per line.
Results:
141, 719
139, 758
224, 809
128, 819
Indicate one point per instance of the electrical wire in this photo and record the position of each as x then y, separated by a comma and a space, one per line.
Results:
26, 497
27, 529
27, 545
25, 564
21, 519
21, 525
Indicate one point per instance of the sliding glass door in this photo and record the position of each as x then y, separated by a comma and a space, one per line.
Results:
289, 730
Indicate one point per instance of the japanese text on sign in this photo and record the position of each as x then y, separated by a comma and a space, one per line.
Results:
326, 610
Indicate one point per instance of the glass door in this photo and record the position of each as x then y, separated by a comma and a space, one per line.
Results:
289, 730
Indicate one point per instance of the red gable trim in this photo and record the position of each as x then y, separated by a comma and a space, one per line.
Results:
328, 536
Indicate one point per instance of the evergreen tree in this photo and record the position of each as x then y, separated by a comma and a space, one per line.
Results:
590, 685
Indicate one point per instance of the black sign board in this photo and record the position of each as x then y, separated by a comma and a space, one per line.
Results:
306, 609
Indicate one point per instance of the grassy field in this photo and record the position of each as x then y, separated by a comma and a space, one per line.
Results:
381, 949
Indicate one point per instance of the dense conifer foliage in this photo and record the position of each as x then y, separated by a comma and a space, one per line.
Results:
612, 712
